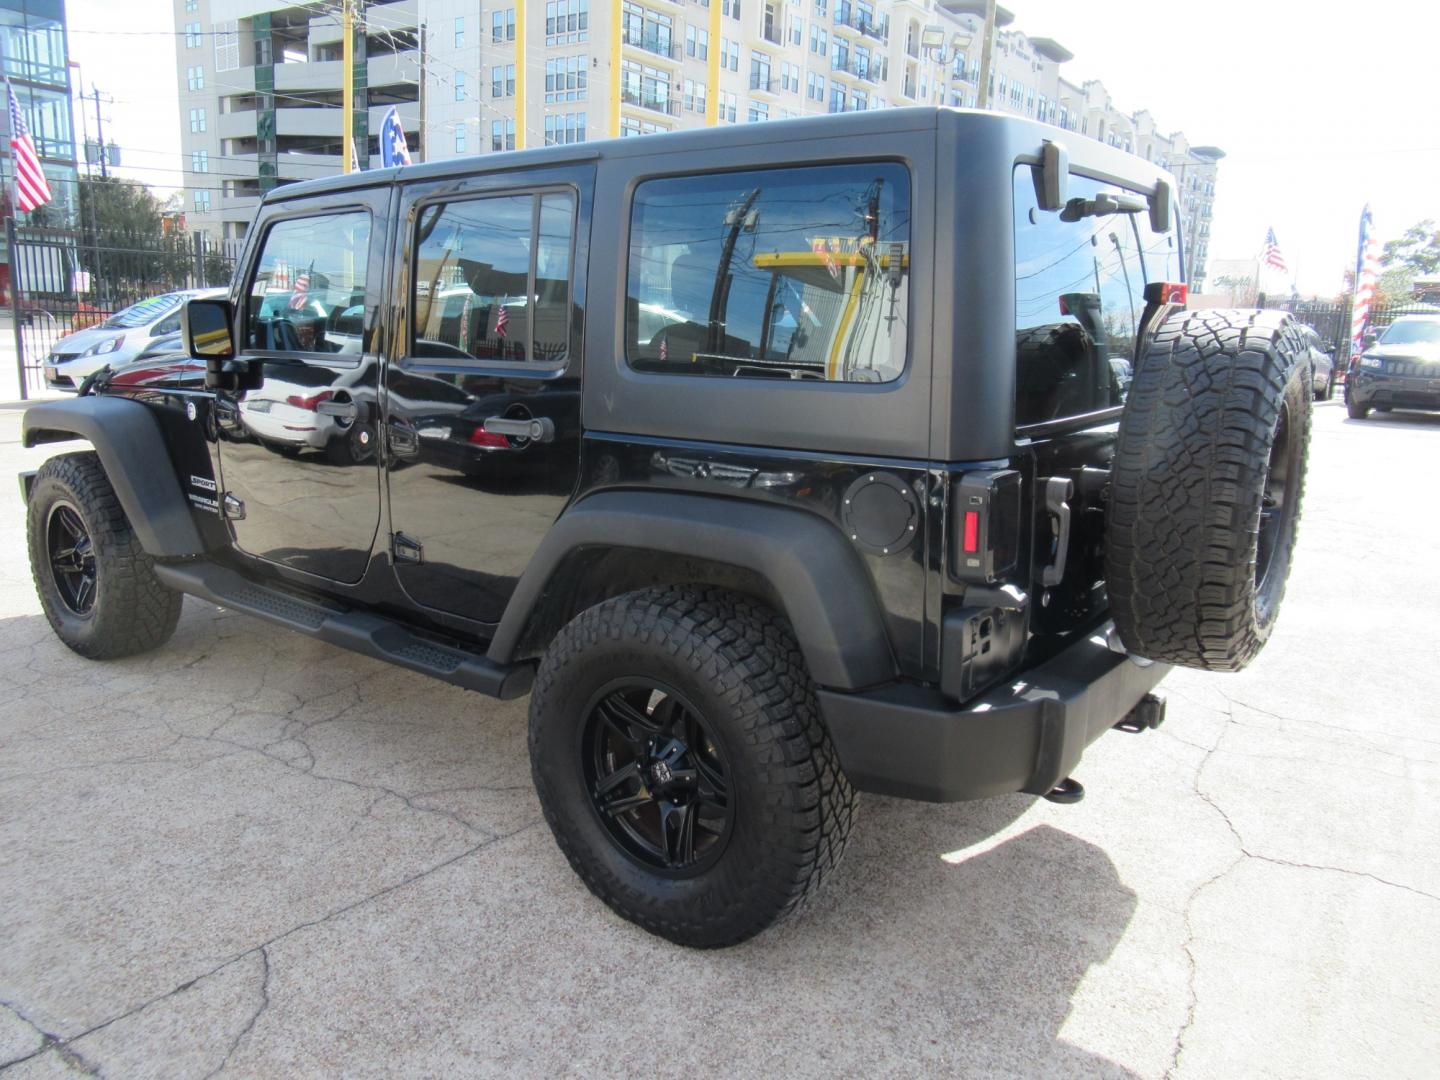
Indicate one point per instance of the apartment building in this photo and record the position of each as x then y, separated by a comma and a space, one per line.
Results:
260, 81
36, 61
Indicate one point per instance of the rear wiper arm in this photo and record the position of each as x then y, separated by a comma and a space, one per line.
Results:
1103, 204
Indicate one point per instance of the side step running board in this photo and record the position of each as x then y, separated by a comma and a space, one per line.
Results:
358, 631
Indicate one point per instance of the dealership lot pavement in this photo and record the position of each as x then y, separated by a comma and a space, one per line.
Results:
253, 853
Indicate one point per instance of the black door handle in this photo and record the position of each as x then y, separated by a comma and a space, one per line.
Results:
535, 428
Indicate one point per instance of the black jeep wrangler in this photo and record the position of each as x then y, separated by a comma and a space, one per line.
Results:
777, 462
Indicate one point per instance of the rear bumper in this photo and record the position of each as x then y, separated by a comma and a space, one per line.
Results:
1025, 736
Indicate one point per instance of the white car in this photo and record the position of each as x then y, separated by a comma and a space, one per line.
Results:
118, 340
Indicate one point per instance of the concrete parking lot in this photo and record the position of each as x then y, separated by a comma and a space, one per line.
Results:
249, 853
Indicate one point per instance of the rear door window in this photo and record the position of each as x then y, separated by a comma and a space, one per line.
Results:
1079, 288
492, 279
776, 273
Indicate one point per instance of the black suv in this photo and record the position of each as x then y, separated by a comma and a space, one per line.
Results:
785, 461
1399, 369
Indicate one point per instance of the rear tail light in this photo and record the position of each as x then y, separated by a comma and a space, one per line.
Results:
481, 437
311, 403
1167, 292
986, 527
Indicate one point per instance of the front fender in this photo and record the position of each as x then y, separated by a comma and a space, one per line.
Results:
814, 573
127, 437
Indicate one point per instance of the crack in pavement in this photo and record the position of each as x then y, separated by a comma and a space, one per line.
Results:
48, 1041
64, 1046
1243, 855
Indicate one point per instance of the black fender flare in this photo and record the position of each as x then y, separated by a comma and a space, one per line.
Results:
131, 446
816, 576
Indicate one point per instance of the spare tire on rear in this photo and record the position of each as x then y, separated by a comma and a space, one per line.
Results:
1206, 487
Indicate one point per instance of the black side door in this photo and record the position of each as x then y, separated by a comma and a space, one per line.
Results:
297, 442
482, 398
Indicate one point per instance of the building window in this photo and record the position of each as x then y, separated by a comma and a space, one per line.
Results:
200, 161
192, 5
192, 35
729, 107
820, 8
629, 126
502, 135
789, 77
566, 78
459, 31
195, 77
819, 41
645, 86
502, 25
758, 112
502, 81
202, 201
694, 97
837, 99
797, 30
460, 138
567, 22
840, 55
459, 86
816, 289
759, 71
729, 54
814, 86
197, 120
730, 8
561, 129
697, 43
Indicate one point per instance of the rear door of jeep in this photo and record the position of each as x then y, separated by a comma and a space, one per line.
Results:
1080, 277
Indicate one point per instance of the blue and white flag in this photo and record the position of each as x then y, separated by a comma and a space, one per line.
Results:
393, 150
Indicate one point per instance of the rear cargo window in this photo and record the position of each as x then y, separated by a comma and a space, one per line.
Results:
780, 273
1078, 298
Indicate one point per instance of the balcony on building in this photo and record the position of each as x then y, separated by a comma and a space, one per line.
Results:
661, 103
654, 44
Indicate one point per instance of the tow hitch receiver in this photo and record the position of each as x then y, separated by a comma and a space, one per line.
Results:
1147, 715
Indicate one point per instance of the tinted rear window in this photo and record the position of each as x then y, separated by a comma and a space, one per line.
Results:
1078, 298
778, 273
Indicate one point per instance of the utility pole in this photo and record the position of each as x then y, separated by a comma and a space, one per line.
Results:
987, 47
423, 154
520, 110
347, 81
100, 133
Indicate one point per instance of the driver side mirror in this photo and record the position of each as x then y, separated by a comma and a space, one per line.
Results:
207, 330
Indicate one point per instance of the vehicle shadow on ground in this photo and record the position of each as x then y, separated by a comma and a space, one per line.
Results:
1413, 421
983, 943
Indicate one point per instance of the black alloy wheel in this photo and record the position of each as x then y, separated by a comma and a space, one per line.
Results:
1277, 503
71, 554
657, 778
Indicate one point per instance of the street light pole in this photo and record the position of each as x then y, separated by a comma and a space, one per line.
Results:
347, 80
987, 47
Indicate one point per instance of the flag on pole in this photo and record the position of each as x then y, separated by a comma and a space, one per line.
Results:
1271, 256
301, 290
464, 341
502, 320
354, 157
393, 148
1367, 273
31, 190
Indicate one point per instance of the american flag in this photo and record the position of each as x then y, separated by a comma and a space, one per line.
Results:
31, 190
502, 320
1367, 270
1271, 256
664, 351
301, 290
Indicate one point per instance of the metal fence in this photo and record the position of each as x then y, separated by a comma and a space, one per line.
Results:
1331, 321
58, 281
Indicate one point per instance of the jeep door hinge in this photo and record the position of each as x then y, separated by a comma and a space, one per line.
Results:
406, 550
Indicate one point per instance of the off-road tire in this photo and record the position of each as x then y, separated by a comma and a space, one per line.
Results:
738, 662
132, 611
1355, 410
1214, 393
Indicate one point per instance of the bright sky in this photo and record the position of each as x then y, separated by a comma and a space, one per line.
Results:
1319, 108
